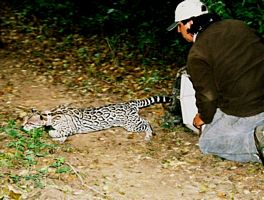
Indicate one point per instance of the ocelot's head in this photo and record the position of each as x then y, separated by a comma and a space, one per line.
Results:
35, 119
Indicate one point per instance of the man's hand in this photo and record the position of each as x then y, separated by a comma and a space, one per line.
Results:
197, 121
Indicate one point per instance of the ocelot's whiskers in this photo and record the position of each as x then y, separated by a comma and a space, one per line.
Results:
66, 121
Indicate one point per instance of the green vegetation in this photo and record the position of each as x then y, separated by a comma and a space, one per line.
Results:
135, 26
26, 151
250, 11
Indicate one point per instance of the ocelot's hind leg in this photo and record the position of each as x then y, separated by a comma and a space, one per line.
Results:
149, 133
148, 130
142, 126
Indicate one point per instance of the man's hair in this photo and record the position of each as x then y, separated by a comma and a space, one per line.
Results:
200, 23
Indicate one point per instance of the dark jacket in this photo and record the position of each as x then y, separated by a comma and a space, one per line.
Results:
226, 65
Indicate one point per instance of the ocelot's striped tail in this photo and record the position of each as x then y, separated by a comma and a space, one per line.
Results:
152, 100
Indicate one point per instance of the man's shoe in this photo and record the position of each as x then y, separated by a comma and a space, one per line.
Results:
259, 141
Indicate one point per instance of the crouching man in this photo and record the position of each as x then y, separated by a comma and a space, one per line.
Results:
226, 68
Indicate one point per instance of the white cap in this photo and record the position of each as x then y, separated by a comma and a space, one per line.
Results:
186, 10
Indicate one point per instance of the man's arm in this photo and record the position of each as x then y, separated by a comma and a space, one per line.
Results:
205, 90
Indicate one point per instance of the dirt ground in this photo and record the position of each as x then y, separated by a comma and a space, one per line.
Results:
113, 164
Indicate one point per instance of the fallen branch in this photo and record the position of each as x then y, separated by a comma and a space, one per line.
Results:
77, 174
82, 182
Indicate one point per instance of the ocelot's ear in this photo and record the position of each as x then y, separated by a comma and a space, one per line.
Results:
34, 110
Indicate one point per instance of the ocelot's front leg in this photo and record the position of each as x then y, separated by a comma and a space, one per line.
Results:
58, 136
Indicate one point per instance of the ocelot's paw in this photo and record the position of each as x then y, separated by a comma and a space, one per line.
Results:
60, 139
149, 133
54, 134
57, 136
148, 137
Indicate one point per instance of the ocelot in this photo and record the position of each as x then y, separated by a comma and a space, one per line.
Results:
65, 121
